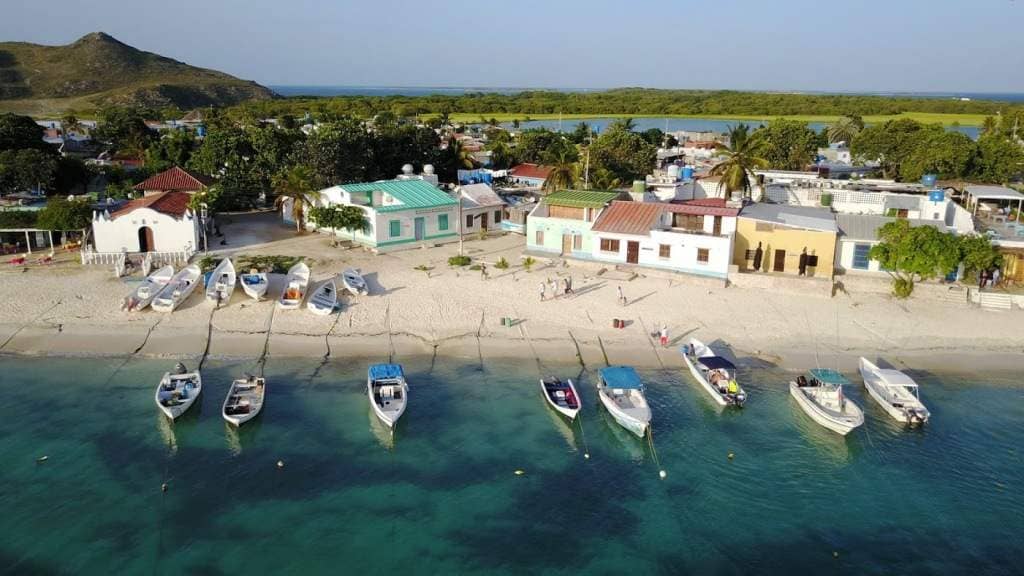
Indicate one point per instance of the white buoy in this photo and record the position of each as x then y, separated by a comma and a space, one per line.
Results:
520, 472
662, 474
42, 459
280, 463
163, 487
587, 456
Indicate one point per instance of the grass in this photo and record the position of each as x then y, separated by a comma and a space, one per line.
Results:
927, 117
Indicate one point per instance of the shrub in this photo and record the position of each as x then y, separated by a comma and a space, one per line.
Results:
274, 264
902, 287
528, 263
459, 261
501, 264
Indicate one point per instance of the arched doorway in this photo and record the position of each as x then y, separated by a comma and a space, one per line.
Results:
145, 239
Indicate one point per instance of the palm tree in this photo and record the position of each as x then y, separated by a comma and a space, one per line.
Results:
626, 124
845, 128
990, 125
739, 160
70, 123
563, 175
604, 179
295, 184
463, 158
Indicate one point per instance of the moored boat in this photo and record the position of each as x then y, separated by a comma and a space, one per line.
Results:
144, 293
254, 284
178, 289
388, 392
295, 284
895, 392
244, 400
324, 299
821, 397
622, 394
714, 373
561, 396
178, 390
221, 284
354, 281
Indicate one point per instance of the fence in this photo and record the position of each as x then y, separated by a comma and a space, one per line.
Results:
147, 259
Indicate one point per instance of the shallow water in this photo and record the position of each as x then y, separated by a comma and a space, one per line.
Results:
442, 495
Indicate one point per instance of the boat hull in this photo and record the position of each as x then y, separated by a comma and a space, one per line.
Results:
223, 280
184, 282
696, 373
876, 389
388, 417
636, 426
565, 411
239, 419
323, 303
255, 291
177, 411
354, 282
703, 351
816, 413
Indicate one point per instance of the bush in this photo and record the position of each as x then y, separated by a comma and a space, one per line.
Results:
501, 264
902, 287
18, 218
272, 264
528, 263
459, 261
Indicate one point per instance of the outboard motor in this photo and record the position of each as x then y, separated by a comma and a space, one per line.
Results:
741, 397
179, 368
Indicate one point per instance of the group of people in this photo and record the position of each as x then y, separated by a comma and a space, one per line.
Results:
989, 278
565, 287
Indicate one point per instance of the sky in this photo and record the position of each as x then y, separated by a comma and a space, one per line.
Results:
784, 45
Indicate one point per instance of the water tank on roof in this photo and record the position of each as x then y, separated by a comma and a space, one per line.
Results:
688, 173
928, 179
639, 186
673, 172
428, 168
407, 169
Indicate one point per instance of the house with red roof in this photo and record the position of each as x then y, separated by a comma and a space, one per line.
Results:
157, 222
532, 175
175, 179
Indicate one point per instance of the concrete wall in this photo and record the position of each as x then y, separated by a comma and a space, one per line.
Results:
682, 255
494, 218
792, 240
407, 218
122, 234
844, 259
554, 229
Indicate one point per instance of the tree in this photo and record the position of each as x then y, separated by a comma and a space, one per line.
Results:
20, 132
64, 214
739, 160
626, 124
501, 156
997, 159
295, 185
71, 173
581, 134
623, 153
787, 144
845, 128
172, 149
604, 179
122, 128
69, 123
26, 169
989, 126
947, 154
977, 253
653, 136
891, 143
911, 253
542, 146
562, 175
337, 152
350, 218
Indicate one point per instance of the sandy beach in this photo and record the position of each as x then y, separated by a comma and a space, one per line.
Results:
71, 310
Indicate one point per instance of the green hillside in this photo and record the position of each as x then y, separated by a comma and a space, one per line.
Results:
97, 70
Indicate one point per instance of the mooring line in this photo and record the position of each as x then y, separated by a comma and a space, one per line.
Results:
654, 453
27, 324
209, 334
262, 362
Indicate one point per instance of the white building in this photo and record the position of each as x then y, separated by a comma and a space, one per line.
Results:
481, 208
858, 233
408, 173
159, 222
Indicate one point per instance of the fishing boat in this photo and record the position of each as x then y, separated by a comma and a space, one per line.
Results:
221, 284
716, 374
895, 392
388, 392
295, 284
561, 396
324, 299
148, 289
821, 397
178, 390
178, 289
244, 400
622, 394
254, 284
354, 281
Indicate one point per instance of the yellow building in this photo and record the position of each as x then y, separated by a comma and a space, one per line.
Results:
786, 239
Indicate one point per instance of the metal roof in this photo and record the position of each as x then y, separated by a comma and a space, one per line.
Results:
479, 195
580, 198
413, 194
866, 226
893, 202
702, 207
994, 193
807, 217
622, 217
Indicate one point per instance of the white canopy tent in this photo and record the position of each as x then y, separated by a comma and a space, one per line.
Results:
975, 194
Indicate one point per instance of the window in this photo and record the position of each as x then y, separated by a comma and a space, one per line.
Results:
812, 261
693, 222
664, 251
395, 228
497, 216
442, 221
609, 245
577, 242
469, 220
539, 238
703, 255
860, 256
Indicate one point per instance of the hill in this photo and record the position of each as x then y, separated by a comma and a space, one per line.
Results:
98, 70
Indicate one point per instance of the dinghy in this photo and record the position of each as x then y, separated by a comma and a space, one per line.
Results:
388, 392
295, 284
178, 289
716, 374
354, 281
244, 400
561, 396
254, 284
222, 282
324, 299
821, 397
148, 289
895, 392
622, 394
177, 391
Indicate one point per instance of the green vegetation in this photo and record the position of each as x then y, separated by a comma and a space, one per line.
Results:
18, 218
296, 185
270, 264
501, 264
459, 261
528, 263
788, 144
64, 214
350, 218
740, 158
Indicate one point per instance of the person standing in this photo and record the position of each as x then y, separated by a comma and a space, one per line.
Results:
803, 262
483, 271
995, 277
664, 335
622, 297
543, 286
554, 288
568, 285
758, 255
982, 279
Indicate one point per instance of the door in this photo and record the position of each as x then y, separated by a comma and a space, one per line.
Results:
632, 252
566, 244
418, 228
780, 261
146, 239
483, 221
717, 231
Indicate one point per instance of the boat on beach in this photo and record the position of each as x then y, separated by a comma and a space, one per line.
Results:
354, 282
244, 400
716, 374
221, 284
178, 390
324, 299
295, 284
622, 394
561, 396
144, 293
895, 392
820, 396
388, 392
178, 289
254, 284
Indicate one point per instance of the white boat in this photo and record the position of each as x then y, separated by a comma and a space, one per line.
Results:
221, 285
148, 289
295, 284
178, 390
324, 299
254, 284
622, 394
716, 374
354, 281
822, 398
561, 396
178, 289
895, 392
244, 400
388, 392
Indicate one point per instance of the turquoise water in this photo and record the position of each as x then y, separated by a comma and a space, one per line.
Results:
443, 497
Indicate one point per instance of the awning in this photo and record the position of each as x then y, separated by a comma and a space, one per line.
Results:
828, 376
385, 371
716, 363
623, 377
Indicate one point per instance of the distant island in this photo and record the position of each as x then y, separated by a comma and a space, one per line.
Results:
98, 70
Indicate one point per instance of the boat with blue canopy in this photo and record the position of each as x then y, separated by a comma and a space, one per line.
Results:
820, 395
622, 393
388, 392
714, 373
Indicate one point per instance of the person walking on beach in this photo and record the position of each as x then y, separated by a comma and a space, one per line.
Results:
543, 287
554, 288
982, 279
568, 285
664, 335
622, 297
483, 271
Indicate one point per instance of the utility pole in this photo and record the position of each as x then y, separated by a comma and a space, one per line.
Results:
458, 198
